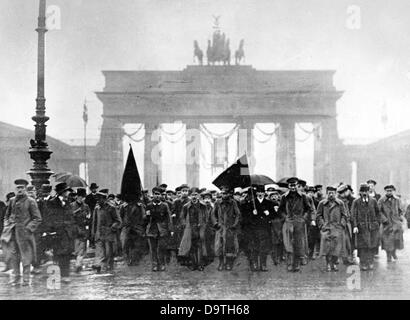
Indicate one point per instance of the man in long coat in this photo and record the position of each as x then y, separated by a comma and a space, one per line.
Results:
209, 230
194, 220
82, 218
392, 230
259, 215
299, 213
159, 229
60, 228
342, 195
176, 212
106, 223
226, 218
331, 220
134, 242
276, 228
366, 226
3, 245
22, 218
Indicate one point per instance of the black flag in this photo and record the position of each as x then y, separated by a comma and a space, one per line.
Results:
236, 175
131, 188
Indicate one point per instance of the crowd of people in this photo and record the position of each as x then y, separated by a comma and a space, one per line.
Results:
194, 227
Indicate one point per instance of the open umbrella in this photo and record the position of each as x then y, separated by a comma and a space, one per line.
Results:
72, 180
258, 179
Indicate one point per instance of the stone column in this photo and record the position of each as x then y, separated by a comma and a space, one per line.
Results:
193, 153
107, 167
246, 142
285, 150
152, 156
326, 144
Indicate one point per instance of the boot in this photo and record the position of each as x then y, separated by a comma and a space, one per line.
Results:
334, 266
263, 264
229, 264
221, 265
296, 265
289, 261
254, 266
389, 256
393, 254
328, 264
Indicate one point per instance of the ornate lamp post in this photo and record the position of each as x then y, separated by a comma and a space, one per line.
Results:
39, 151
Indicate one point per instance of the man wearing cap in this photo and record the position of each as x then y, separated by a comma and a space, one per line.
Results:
259, 214
349, 196
21, 220
209, 230
342, 192
134, 242
331, 219
4, 245
372, 189
59, 228
298, 212
366, 226
82, 217
176, 213
392, 230
194, 221
159, 229
226, 218
106, 223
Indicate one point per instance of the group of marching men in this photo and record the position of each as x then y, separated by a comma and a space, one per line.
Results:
196, 226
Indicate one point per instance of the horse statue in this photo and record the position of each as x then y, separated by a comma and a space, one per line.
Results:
198, 53
240, 53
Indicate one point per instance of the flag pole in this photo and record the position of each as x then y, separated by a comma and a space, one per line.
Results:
85, 120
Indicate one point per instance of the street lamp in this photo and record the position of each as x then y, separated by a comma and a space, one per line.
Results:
39, 151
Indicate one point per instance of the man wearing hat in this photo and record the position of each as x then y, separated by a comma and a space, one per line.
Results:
372, 189
106, 223
226, 219
194, 221
258, 216
91, 202
318, 196
331, 219
60, 228
82, 217
276, 228
21, 220
392, 230
298, 212
159, 229
176, 212
366, 226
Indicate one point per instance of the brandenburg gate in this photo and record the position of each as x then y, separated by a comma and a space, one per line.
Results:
199, 94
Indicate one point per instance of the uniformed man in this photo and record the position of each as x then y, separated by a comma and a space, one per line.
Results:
226, 219
372, 189
176, 212
194, 220
392, 230
366, 225
331, 219
134, 242
342, 195
276, 228
21, 220
106, 223
210, 230
82, 217
159, 229
298, 213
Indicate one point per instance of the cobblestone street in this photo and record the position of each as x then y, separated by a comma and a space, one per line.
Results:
387, 281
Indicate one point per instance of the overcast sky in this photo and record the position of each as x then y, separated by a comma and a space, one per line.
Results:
372, 62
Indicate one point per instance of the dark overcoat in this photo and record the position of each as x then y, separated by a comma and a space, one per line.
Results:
106, 222
227, 217
159, 220
392, 228
298, 211
366, 217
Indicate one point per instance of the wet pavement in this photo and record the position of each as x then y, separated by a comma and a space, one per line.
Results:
387, 281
